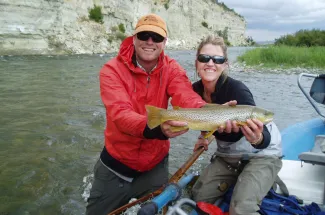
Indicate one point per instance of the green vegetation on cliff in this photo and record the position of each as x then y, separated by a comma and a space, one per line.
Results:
204, 24
95, 14
118, 33
226, 8
224, 35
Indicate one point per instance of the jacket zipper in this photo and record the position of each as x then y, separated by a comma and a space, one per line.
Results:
148, 81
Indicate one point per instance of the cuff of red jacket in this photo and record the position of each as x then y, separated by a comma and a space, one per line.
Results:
155, 133
266, 139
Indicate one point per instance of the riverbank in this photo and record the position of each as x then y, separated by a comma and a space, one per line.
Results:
234, 64
243, 67
282, 58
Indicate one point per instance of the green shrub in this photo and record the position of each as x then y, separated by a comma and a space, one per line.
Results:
250, 41
204, 24
121, 36
166, 6
307, 38
224, 35
227, 43
121, 28
285, 56
110, 38
95, 14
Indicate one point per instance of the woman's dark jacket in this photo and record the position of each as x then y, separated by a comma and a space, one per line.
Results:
228, 89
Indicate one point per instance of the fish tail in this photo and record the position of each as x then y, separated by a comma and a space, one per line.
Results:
154, 116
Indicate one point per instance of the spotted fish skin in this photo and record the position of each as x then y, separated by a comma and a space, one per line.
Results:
209, 118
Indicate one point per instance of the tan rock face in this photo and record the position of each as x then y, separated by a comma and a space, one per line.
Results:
63, 26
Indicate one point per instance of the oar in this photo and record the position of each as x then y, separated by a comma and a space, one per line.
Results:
180, 172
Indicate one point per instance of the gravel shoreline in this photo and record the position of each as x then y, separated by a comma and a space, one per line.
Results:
242, 67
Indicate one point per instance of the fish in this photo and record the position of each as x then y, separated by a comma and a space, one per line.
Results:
208, 118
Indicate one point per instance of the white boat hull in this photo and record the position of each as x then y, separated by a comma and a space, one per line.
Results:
304, 180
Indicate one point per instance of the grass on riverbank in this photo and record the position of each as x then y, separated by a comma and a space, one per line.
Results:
285, 57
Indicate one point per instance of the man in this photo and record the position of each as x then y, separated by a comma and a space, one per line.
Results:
134, 161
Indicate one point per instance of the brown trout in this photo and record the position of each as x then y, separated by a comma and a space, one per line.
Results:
209, 118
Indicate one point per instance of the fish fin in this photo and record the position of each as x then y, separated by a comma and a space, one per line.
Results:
178, 128
176, 108
211, 105
207, 135
154, 116
241, 123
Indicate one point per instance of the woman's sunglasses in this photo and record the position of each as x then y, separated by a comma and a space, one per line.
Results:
145, 35
203, 58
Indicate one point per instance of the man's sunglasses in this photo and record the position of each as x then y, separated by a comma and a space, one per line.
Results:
203, 58
145, 35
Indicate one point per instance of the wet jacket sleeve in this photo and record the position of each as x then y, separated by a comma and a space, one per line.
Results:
180, 89
118, 105
155, 133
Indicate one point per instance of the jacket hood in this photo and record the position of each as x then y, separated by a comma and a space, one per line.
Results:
126, 54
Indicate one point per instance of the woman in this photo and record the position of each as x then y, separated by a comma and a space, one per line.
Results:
252, 162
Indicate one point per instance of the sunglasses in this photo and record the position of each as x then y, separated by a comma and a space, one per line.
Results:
203, 58
145, 35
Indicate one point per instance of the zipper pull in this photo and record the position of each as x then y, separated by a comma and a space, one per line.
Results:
148, 81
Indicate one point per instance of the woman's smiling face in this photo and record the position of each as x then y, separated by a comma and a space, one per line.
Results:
210, 72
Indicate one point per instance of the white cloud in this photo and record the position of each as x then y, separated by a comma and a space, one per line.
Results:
278, 17
264, 34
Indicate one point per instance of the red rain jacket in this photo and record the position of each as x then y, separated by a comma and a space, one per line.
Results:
125, 90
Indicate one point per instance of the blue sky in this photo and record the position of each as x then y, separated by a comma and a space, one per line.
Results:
269, 19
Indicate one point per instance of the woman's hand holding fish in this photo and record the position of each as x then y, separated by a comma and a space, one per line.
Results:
166, 128
201, 142
231, 126
253, 131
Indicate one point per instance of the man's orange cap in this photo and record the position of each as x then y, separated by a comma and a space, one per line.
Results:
151, 22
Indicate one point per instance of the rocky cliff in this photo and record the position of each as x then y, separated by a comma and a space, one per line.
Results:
63, 26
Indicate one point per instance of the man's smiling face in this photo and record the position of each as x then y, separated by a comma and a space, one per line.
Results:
148, 51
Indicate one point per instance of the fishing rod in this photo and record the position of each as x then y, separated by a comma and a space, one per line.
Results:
175, 178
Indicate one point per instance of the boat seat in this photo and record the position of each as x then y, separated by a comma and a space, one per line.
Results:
317, 154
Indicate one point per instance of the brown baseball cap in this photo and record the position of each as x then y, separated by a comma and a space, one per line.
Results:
151, 22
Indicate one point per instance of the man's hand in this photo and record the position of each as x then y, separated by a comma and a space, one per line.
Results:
166, 128
231, 103
231, 126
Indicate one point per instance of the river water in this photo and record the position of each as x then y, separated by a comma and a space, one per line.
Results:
52, 122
